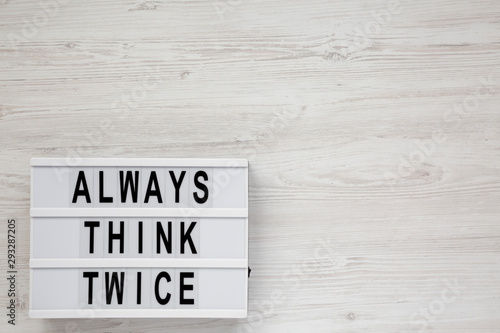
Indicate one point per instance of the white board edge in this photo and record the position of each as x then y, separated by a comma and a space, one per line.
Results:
140, 162
139, 313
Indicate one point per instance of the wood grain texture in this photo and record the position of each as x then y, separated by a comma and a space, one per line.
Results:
357, 221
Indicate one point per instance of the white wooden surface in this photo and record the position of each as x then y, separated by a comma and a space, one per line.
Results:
343, 236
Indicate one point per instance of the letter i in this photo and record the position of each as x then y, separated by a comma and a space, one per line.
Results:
139, 247
139, 278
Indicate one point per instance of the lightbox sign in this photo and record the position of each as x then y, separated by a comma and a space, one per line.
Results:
139, 238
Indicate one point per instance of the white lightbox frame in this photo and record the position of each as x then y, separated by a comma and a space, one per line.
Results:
139, 262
